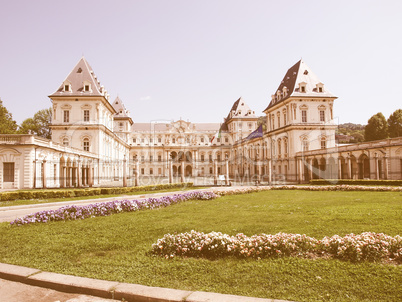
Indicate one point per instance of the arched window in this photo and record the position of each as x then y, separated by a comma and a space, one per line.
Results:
66, 141
279, 146
285, 146
85, 144
323, 143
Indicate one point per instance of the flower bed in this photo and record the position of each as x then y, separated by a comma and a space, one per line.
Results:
366, 246
74, 212
246, 190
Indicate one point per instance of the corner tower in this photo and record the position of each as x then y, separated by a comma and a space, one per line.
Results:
82, 113
300, 114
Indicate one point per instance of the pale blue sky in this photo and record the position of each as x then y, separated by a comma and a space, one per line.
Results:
193, 59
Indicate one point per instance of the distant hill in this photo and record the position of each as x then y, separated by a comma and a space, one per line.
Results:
350, 133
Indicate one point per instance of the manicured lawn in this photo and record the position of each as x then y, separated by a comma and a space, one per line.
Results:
37, 201
117, 247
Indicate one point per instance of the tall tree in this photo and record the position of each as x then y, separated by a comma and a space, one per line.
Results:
395, 123
7, 124
376, 128
39, 124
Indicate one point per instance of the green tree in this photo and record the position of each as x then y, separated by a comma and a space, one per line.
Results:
39, 124
395, 123
7, 124
376, 128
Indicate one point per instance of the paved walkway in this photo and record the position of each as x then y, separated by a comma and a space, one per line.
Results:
27, 284
11, 291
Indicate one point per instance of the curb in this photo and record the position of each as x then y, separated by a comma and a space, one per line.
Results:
112, 289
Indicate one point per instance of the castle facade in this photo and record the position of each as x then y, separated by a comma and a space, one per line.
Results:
95, 142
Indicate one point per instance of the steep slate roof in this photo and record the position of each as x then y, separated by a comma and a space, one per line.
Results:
80, 73
297, 74
119, 106
121, 112
239, 110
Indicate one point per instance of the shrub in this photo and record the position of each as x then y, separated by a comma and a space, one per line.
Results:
67, 193
377, 182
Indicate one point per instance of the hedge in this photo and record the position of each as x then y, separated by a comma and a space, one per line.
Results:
67, 193
359, 182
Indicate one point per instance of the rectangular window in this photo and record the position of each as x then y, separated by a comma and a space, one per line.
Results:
226, 140
202, 139
322, 116
151, 158
86, 115
323, 144
66, 116
151, 171
305, 146
159, 157
319, 89
142, 159
279, 121
304, 116
86, 87
219, 140
54, 172
142, 171
210, 157
134, 140
202, 157
159, 171
173, 140
151, 140
8, 172
159, 139
284, 119
86, 146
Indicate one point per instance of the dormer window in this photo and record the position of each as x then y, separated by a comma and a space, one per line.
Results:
87, 86
302, 87
320, 87
66, 86
278, 94
285, 91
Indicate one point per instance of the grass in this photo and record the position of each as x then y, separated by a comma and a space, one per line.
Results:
37, 201
116, 247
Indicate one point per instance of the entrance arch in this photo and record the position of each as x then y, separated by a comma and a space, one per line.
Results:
189, 171
354, 167
323, 167
364, 166
315, 168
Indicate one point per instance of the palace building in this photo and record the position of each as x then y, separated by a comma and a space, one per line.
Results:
95, 142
